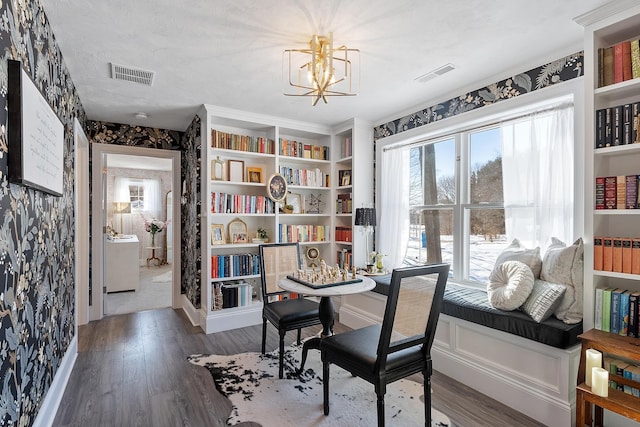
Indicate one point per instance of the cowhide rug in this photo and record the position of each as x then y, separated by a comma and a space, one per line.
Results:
250, 381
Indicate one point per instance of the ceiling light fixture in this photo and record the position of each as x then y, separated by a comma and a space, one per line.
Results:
321, 71
141, 116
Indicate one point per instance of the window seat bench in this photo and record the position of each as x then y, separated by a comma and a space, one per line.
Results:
471, 304
529, 366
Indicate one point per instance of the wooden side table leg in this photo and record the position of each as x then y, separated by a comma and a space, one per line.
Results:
580, 409
598, 414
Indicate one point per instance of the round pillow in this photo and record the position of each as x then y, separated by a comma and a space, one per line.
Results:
510, 285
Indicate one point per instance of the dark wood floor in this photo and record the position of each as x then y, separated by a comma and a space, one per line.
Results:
132, 370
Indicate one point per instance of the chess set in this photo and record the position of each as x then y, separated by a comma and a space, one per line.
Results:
325, 276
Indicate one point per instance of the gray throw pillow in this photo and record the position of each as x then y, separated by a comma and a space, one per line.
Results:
543, 300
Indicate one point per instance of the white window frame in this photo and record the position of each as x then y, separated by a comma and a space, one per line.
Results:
473, 120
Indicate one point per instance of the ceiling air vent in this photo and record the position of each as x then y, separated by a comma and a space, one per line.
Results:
120, 72
435, 73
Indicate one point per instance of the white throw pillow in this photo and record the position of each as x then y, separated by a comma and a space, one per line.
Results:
563, 264
509, 285
544, 299
517, 252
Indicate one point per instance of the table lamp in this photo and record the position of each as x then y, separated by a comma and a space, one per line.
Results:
366, 218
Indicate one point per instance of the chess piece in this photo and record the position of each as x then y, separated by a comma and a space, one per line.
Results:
353, 272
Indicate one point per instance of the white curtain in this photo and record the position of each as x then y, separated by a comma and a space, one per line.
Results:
538, 178
121, 190
152, 199
393, 228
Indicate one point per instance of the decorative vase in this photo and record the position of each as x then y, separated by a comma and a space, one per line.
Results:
153, 239
379, 263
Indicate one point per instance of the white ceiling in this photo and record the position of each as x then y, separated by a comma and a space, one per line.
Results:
229, 52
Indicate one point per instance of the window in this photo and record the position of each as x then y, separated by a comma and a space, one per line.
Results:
469, 194
136, 195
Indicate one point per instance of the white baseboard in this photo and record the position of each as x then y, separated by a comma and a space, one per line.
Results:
52, 399
193, 314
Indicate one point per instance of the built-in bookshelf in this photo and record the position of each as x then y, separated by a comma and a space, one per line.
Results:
241, 152
611, 168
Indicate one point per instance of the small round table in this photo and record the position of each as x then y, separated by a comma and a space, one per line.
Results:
325, 312
153, 255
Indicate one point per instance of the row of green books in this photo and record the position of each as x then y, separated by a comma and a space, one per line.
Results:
617, 311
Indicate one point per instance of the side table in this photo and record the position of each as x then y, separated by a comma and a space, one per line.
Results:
153, 255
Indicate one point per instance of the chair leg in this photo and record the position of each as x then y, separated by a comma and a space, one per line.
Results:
299, 335
281, 362
325, 386
381, 409
264, 334
427, 399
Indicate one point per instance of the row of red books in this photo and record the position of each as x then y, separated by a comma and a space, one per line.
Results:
618, 63
618, 254
344, 234
617, 192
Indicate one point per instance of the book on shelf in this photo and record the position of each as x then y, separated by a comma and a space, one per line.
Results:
600, 192
344, 258
617, 255
621, 192
606, 309
610, 192
634, 315
241, 203
617, 126
631, 192
626, 255
623, 320
597, 309
607, 254
635, 256
600, 128
627, 124
346, 147
607, 66
597, 253
635, 59
614, 319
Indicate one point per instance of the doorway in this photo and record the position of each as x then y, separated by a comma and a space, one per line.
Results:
132, 188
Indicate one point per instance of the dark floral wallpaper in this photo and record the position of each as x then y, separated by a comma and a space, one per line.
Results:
37, 230
133, 136
191, 254
558, 71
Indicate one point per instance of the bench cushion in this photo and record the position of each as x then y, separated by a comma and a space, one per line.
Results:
472, 305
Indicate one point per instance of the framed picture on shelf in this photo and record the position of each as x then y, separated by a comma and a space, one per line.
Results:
344, 177
217, 169
295, 200
217, 234
238, 231
277, 187
254, 174
236, 170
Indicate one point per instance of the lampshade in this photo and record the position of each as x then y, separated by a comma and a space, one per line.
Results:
366, 217
321, 70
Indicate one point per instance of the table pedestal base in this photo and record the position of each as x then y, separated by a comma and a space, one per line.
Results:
327, 317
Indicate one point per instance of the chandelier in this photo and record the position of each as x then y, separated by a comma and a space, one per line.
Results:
321, 70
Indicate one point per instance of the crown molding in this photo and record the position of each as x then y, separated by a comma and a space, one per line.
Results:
605, 11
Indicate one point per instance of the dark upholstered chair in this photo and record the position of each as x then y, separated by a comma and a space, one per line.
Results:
276, 262
401, 346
